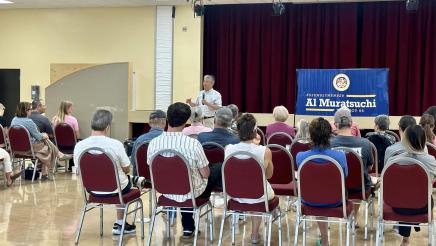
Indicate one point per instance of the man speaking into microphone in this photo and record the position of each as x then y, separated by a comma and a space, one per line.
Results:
209, 100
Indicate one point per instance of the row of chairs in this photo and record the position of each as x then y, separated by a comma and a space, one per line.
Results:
17, 141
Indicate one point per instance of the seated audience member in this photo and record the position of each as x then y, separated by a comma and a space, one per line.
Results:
204, 179
280, 114
303, 134
157, 122
398, 148
220, 133
100, 125
431, 111
42, 122
64, 115
2, 112
44, 149
354, 127
427, 123
196, 126
5, 159
380, 138
320, 131
250, 142
235, 113
362, 146
414, 139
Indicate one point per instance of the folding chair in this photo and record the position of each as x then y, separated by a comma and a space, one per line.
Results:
282, 181
245, 178
323, 184
262, 136
214, 152
297, 147
144, 171
396, 192
280, 138
170, 174
66, 140
355, 181
20, 144
432, 151
397, 137
99, 173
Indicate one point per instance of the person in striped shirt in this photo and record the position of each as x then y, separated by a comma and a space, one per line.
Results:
203, 177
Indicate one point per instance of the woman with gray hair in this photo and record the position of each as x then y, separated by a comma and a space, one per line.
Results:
280, 114
197, 126
381, 125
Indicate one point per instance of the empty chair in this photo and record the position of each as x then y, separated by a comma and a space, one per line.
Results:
99, 173
280, 138
262, 136
297, 147
144, 171
65, 138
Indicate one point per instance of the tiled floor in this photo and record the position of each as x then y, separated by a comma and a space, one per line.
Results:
47, 213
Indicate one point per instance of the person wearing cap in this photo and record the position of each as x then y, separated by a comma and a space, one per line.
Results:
362, 146
209, 100
196, 126
42, 122
157, 122
220, 133
354, 127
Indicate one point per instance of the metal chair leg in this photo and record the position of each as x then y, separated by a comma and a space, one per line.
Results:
280, 227
366, 220
220, 238
142, 216
167, 225
347, 243
34, 170
211, 219
150, 233
79, 229
120, 241
197, 223
353, 231
101, 220
304, 232
297, 225
270, 217
233, 228
265, 230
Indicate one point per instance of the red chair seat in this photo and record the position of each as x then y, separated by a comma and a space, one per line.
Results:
21, 155
434, 183
284, 189
166, 202
326, 212
256, 207
217, 189
132, 195
389, 214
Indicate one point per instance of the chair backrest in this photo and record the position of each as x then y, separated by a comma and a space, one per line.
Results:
355, 180
406, 183
283, 165
98, 171
170, 174
19, 140
65, 136
280, 138
244, 177
141, 160
431, 149
296, 147
214, 152
262, 136
321, 183
397, 137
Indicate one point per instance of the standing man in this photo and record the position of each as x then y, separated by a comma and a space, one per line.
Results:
42, 122
209, 100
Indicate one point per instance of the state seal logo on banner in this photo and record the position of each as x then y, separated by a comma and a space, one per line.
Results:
341, 82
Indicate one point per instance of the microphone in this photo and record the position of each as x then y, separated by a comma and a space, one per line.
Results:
204, 96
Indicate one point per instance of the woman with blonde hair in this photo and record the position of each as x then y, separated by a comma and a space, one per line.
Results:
427, 122
280, 114
64, 116
44, 149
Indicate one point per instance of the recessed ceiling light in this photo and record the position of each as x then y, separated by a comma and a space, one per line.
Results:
5, 2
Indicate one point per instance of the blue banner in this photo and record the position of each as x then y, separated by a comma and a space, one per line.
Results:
323, 91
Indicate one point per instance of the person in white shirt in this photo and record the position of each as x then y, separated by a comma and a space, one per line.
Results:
203, 177
209, 100
100, 124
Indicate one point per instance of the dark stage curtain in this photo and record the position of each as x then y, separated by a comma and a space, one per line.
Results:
254, 55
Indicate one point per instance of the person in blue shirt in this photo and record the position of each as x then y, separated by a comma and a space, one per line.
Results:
220, 133
320, 131
157, 122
